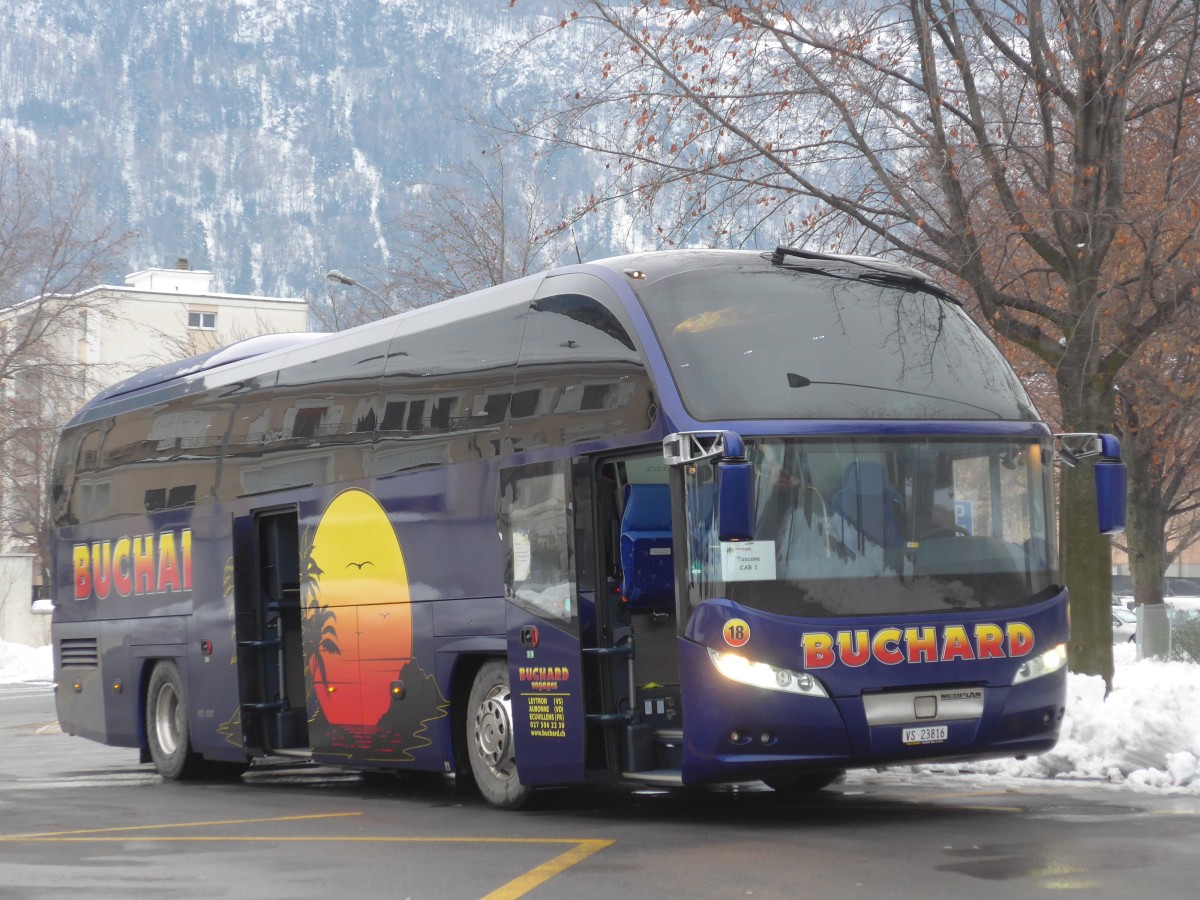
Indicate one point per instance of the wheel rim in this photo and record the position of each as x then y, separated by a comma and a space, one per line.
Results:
166, 724
493, 732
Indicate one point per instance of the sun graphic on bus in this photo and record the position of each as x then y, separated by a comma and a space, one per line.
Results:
358, 621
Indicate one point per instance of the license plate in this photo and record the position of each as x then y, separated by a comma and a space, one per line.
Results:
930, 734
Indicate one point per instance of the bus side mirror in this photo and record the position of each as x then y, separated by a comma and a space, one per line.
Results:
1111, 487
1111, 490
735, 476
735, 500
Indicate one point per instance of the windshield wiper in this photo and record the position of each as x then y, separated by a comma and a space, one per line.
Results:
913, 282
862, 268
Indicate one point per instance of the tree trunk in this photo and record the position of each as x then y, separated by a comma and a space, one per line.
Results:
1086, 553
1087, 568
1145, 529
1147, 556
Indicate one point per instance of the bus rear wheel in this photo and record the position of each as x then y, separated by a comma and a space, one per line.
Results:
490, 739
167, 730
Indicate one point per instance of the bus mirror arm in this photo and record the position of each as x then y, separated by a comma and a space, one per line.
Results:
695, 446
1075, 447
735, 476
1111, 476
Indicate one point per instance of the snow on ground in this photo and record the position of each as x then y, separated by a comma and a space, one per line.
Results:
21, 663
1144, 736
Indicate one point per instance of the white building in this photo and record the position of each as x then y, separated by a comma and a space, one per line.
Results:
161, 315
57, 352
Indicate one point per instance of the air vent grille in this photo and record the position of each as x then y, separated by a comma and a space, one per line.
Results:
78, 653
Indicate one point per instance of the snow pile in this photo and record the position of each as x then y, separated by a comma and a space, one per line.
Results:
1145, 735
1147, 732
21, 663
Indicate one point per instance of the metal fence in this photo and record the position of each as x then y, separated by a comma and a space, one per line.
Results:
1169, 631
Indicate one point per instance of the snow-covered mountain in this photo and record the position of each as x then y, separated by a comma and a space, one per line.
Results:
266, 140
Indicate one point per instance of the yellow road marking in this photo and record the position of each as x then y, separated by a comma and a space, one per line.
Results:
514, 889
51, 835
69, 838
523, 884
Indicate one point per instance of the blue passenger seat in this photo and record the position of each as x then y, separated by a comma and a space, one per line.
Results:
647, 567
870, 504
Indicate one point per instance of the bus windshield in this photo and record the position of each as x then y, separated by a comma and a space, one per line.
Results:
785, 343
873, 527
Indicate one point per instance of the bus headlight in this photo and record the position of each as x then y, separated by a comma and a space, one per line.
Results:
1043, 664
760, 675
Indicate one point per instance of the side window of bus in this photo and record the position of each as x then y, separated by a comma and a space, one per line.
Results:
536, 519
580, 376
239, 416
74, 486
447, 390
129, 475
319, 407
305, 423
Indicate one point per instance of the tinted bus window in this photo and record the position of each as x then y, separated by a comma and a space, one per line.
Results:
446, 392
580, 377
879, 527
321, 417
536, 519
241, 419
781, 343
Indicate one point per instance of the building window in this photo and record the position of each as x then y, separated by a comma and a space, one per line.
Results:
206, 321
162, 498
307, 422
525, 403
393, 415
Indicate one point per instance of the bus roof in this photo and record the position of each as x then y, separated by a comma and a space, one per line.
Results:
256, 355
205, 362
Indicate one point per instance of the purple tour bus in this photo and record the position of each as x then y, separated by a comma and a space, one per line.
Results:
673, 518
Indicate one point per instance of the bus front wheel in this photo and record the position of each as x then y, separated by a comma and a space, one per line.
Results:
167, 730
490, 740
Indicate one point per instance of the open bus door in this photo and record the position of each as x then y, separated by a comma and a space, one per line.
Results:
542, 623
269, 637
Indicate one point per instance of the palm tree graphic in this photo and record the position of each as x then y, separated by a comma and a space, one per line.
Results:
320, 634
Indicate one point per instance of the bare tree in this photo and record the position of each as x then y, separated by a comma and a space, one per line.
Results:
1159, 416
987, 140
491, 223
487, 221
35, 409
53, 243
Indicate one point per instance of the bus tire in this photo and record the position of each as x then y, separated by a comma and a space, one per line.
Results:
167, 726
490, 739
804, 783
